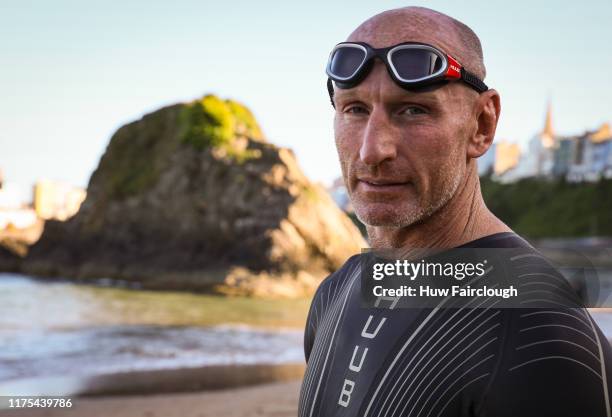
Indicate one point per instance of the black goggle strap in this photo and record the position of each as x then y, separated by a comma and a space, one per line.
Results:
473, 81
330, 90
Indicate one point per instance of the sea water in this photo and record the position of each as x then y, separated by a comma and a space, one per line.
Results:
50, 329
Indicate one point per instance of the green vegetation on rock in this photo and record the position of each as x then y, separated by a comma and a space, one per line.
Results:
538, 208
209, 122
214, 123
136, 155
244, 119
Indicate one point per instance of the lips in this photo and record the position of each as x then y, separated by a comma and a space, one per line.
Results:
381, 185
382, 182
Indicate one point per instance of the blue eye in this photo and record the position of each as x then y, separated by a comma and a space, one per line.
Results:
356, 110
413, 110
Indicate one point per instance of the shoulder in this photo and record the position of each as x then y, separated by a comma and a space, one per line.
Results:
499, 240
549, 340
565, 359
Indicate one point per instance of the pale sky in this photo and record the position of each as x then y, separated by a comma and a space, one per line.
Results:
72, 73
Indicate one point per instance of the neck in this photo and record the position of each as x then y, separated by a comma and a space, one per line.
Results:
464, 218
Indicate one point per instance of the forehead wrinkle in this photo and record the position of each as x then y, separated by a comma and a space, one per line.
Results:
371, 87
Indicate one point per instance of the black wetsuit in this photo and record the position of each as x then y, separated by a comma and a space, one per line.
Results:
431, 362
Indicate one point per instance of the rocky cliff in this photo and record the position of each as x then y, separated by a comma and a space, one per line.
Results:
193, 197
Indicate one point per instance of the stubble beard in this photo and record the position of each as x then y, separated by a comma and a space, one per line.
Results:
405, 218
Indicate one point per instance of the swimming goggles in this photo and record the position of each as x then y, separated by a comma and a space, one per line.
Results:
411, 65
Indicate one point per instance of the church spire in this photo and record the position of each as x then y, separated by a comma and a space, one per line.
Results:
548, 134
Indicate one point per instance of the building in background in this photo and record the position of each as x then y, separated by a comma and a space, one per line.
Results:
538, 160
585, 157
507, 156
24, 221
602, 151
15, 218
544, 146
564, 155
591, 158
14, 215
57, 200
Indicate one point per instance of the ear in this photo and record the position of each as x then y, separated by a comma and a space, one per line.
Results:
487, 110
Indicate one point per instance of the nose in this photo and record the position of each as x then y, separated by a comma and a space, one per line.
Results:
378, 142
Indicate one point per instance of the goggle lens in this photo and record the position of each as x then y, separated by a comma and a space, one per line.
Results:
412, 64
346, 60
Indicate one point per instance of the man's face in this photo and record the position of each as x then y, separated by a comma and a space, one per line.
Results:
403, 154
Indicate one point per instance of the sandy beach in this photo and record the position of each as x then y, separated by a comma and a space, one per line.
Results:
215, 391
278, 399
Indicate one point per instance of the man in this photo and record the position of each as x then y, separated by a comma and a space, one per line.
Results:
412, 116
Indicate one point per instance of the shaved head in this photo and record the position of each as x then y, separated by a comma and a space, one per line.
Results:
419, 24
